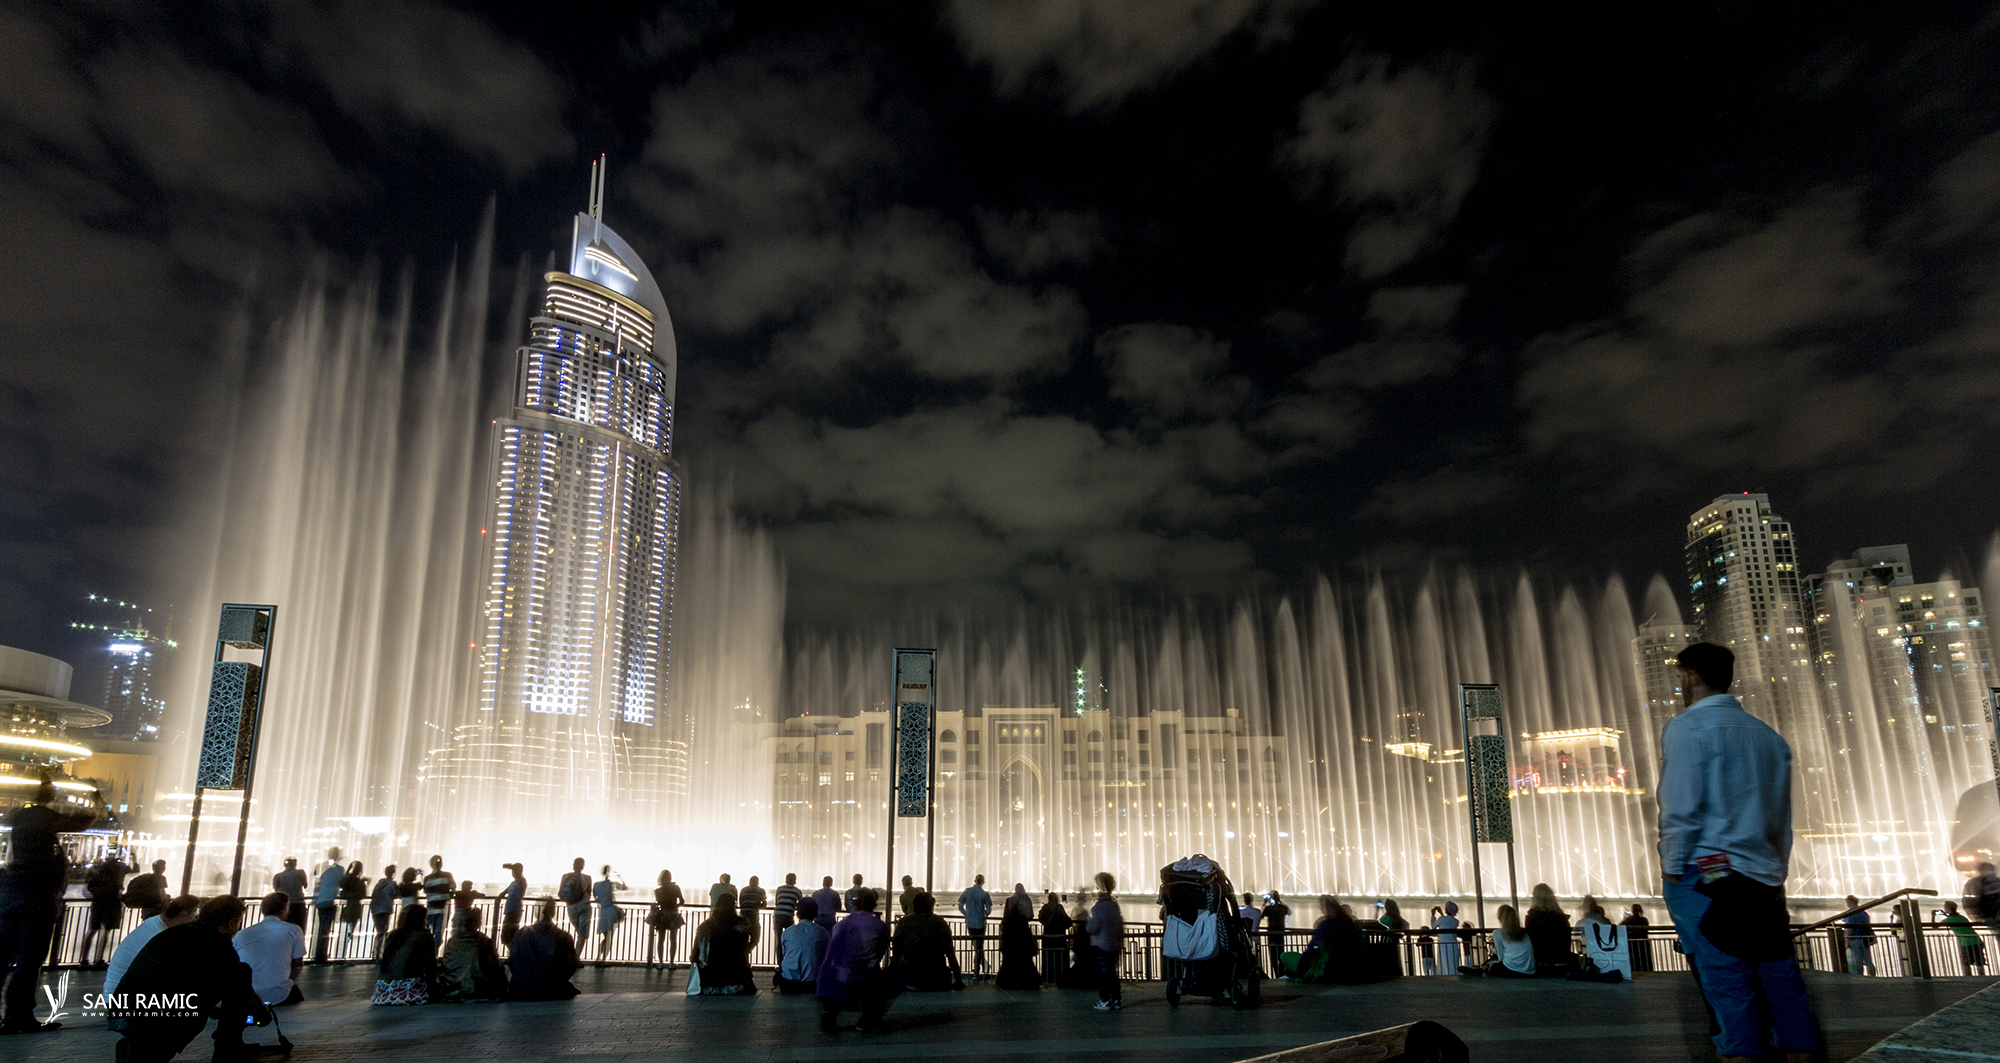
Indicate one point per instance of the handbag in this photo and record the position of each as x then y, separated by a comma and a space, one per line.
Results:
400, 992
694, 980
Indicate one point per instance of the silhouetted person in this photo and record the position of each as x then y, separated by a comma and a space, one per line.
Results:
469, 968
721, 951
326, 904
407, 972
608, 913
293, 883
574, 890
382, 905
438, 888
353, 897
148, 892
851, 977
543, 959
30, 897
1056, 923
1638, 932
106, 887
1276, 912
1548, 928
513, 900
1106, 928
922, 958
664, 922
196, 963
1725, 796
827, 900
1017, 945
785, 903
975, 904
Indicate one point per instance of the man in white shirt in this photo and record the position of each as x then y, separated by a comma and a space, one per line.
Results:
1725, 795
180, 910
275, 949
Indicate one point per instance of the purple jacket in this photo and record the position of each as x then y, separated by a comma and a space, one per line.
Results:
856, 948
1106, 926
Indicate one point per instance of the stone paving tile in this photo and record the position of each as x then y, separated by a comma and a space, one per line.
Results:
625, 1016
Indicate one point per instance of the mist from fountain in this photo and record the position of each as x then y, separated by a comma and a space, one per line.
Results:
352, 495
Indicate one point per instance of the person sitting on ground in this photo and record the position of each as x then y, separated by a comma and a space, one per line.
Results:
1338, 951
408, 968
1549, 929
275, 949
177, 912
851, 976
924, 960
542, 958
1589, 911
1513, 949
470, 968
801, 949
722, 945
1017, 944
194, 959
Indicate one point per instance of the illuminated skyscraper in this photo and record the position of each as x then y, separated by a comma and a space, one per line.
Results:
1743, 575
583, 529
134, 674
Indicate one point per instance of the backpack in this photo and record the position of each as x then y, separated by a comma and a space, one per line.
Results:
143, 892
572, 889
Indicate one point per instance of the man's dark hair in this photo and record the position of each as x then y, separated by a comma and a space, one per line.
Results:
181, 905
864, 901
547, 910
437, 863
275, 904
923, 903
159, 866
219, 912
1714, 664
576, 864
826, 882
291, 861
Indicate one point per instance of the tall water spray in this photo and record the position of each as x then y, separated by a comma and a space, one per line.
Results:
351, 494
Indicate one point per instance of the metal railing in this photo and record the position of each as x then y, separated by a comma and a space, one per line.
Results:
1820, 946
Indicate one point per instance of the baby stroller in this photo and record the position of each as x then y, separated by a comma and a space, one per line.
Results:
1205, 947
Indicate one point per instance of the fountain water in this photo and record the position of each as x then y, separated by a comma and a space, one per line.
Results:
353, 494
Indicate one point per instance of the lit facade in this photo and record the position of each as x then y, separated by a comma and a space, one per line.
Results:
581, 543
1743, 577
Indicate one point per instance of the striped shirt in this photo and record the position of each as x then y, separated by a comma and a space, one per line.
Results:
785, 899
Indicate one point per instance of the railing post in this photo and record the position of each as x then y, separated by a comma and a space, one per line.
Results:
1836, 943
1915, 961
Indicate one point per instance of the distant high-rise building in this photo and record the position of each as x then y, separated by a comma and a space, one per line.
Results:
134, 672
584, 518
1656, 652
1743, 577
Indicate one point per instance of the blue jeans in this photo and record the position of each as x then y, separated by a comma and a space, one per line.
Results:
1746, 997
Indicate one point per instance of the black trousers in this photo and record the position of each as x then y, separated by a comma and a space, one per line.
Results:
160, 1040
1108, 987
324, 931
27, 926
876, 992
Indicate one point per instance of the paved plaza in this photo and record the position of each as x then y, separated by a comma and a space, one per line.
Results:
623, 1017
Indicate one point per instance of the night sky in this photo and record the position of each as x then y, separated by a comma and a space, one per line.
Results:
987, 301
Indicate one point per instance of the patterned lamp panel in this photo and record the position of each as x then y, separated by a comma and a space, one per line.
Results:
915, 697
1493, 817
244, 628
230, 726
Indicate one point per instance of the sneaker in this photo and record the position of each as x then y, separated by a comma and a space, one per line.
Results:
1104, 1005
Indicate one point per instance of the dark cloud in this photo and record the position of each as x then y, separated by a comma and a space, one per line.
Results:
1096, 52
1029, 242
1756, 346
1171, 370
1403, 143
409, 63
